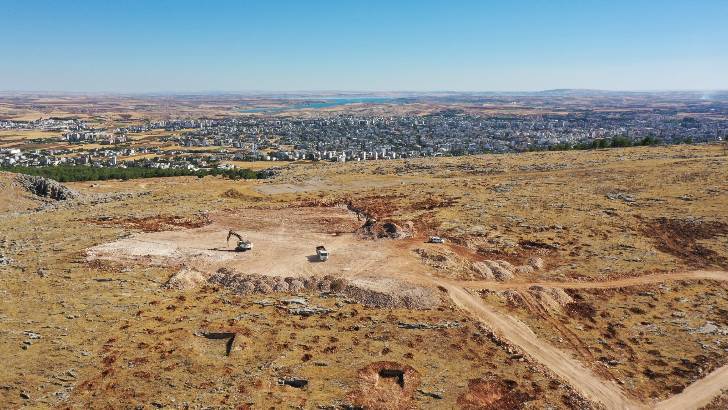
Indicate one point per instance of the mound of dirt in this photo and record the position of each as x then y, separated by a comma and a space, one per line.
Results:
45, 187
553, 299
492, 394
386, 385
388, 293
381, 293
235, 194
453, 265
439, 258
373, 229
244, 284
494, 270
513, 298
185, 279
536, 263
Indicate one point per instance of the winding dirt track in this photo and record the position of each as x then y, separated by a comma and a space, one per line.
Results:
617, 283
283, 244
699, 393
578, 376
581, 378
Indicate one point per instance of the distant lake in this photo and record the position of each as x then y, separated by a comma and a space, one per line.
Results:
325, 103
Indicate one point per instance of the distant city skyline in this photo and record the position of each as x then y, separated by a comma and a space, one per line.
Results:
322, 46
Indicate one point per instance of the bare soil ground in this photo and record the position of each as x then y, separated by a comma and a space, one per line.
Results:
591, 239
14, 197
284, 243
628, 334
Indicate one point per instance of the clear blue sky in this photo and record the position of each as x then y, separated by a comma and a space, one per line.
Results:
481, 45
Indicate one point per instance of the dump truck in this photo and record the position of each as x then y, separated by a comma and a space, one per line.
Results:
322, 253
243, 244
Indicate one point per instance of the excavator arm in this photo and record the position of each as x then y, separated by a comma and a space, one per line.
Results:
235, 234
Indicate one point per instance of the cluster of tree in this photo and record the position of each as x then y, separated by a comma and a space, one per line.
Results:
69, 173
615, 142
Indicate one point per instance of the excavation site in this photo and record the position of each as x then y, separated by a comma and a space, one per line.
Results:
282, 256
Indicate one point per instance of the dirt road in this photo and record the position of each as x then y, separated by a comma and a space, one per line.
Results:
617, 283
285, 241
582, 379
578, 376
699, 393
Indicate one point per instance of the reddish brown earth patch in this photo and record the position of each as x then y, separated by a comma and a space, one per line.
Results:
386, 385
679, 237
492, 394
155, 223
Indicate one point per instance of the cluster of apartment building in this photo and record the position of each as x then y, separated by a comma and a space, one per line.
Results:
347, 137
356, 138
44, 124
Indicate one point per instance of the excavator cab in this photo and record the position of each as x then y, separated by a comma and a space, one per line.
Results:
244, 246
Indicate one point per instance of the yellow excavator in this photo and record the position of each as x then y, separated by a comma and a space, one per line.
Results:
243, 244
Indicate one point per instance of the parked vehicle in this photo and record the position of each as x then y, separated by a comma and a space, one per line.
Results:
322, 253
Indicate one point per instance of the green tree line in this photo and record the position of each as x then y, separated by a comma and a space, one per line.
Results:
615, 142
69, 173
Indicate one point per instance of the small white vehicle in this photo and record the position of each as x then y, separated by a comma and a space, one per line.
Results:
322, 253
436, 239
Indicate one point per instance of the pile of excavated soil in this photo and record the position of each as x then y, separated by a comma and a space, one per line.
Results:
244, 284
376, 292
453, 265
553, 299
391, 293
373, 229
185, 279
494, 270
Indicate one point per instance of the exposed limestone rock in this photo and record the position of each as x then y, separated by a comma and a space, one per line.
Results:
45, 187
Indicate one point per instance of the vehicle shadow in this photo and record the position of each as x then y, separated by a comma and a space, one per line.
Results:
313, 258
222, 250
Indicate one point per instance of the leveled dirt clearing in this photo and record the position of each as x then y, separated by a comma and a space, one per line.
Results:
284, 244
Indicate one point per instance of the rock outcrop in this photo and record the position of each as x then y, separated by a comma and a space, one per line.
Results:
46, 187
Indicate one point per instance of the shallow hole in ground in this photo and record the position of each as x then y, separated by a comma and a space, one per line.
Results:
229, 336
294, 382
396, 376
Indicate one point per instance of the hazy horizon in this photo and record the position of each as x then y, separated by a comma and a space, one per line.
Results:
363, 93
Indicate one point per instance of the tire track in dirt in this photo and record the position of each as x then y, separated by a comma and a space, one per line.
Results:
699, 393
582, 379
617, 283
535, 307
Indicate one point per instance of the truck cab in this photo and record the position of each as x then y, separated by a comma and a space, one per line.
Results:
322, 253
